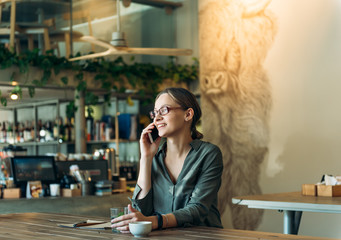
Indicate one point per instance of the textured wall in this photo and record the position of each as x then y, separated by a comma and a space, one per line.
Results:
234, 41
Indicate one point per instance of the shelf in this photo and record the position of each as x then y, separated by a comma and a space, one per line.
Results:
111, 141
23, 144
159, 3
67, 143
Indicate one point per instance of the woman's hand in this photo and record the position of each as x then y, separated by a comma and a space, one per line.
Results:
122, 223
148, 149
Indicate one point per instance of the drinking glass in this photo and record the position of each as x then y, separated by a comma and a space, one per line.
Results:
116, 212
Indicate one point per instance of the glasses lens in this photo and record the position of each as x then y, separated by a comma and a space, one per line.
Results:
163, 111
152, 114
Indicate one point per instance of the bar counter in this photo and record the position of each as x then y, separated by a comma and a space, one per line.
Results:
87, 205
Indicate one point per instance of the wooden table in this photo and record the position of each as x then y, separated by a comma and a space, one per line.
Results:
44, 226
292, 204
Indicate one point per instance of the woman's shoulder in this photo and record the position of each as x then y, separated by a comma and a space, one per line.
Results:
207, 153
201, 145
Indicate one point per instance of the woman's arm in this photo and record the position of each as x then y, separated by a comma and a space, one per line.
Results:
148, 150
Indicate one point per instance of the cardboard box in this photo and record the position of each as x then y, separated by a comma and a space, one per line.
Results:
309, 189
329, 191
66, 192
11, 193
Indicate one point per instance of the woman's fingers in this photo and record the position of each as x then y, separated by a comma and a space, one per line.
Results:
131, 209
121, 224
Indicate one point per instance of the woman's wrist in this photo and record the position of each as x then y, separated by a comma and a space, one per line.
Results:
154, 221
146, 163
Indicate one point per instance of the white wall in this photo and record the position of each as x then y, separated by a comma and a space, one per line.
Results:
304, 67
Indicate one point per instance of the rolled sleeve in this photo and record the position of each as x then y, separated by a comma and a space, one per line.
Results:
143, 205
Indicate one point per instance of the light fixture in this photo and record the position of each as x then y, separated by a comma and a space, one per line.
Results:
14, 96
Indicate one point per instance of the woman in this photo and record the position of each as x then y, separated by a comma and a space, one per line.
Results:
180, 175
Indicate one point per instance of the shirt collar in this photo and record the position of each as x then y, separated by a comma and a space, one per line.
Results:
195, 144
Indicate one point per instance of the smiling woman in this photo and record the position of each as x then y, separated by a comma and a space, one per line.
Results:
180, 175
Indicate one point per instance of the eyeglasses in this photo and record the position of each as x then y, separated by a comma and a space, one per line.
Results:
162, 111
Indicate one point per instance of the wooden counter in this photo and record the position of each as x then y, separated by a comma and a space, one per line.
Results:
44, 226
88, 205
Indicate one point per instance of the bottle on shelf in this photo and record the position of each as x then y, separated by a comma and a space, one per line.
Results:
55, 130
61, 131
72, 130
17, 132
41, 133
1, 137
3, 133
89, 127
9, 133
67, 133
32, 129
27, 132
49, 131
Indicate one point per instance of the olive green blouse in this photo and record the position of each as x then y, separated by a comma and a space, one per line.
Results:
193, 199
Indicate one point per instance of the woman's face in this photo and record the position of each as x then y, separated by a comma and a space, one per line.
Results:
173, 122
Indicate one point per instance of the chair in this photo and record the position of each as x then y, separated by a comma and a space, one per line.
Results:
57, 36
16, 30
34, 29
9, 29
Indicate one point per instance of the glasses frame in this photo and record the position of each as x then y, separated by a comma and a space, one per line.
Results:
153, 113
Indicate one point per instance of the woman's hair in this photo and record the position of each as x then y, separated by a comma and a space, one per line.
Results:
186, 100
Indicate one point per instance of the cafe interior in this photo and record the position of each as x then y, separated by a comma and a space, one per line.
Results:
85, 73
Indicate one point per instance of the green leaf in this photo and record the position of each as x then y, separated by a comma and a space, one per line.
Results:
31, 91
65, 80
3, 101
81, 86
56, 69
176, 77
79, 76
71, 109
37, 83
12, 77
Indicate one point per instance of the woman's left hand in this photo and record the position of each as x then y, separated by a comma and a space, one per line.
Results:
122, 223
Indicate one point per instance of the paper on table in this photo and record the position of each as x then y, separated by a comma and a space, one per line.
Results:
89, 224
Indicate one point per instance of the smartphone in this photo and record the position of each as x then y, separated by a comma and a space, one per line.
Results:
153, 135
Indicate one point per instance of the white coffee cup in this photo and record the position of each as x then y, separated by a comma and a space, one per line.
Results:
54, 189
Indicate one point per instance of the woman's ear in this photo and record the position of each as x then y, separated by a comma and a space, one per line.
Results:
189, 114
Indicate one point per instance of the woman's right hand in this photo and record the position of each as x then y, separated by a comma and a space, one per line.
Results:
148, 149
122, 223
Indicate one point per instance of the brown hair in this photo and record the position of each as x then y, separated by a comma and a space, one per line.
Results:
186, 100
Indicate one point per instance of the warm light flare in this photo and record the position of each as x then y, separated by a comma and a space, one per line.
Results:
14, 96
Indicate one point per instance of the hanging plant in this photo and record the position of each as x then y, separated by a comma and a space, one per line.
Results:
117, 75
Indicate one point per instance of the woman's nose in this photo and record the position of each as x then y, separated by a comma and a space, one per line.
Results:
157, 117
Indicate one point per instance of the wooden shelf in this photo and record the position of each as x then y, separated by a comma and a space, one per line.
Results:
159, 3
112, 141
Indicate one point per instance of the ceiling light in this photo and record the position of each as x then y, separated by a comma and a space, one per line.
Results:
14, 96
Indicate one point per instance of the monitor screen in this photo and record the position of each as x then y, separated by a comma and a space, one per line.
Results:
33, 168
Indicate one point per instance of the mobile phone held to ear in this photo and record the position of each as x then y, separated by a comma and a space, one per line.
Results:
153, 135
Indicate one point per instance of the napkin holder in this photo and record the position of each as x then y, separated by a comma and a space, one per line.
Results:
309, 189
329, 190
